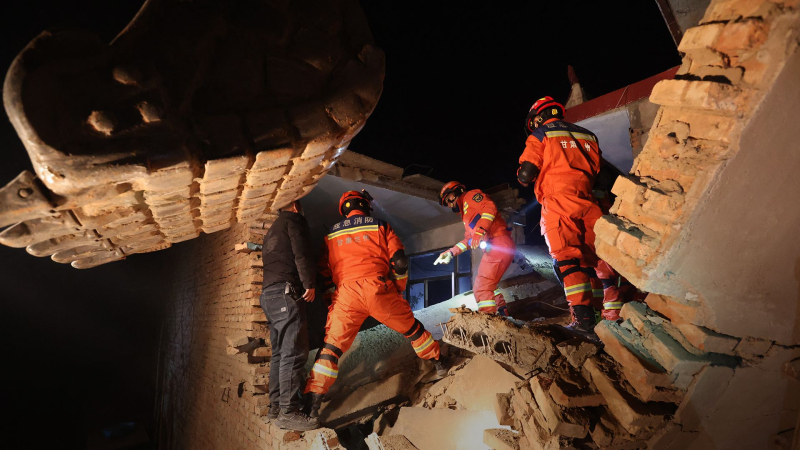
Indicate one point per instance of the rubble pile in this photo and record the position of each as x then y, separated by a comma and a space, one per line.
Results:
699, 364
648, 384
526, 347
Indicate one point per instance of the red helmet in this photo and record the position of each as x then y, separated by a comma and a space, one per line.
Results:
453, 187
354, 200
546, 107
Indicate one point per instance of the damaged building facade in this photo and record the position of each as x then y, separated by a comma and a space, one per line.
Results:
127, 160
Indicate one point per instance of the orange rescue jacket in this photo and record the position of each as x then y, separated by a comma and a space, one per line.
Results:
361, 247
479, 214
567, 156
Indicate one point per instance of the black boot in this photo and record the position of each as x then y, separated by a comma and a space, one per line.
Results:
273, 412
296, 420
313, 402
583, 320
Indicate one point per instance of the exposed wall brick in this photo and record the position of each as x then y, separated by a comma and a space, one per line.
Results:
209, 398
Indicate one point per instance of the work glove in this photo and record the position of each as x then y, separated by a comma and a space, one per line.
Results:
444, 258
520, 181
477, 238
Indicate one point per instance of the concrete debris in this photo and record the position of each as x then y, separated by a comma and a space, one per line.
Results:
574, 392
502, 408
321, 439
608, 433
443, 428
576, 350
374, 442
498, 439
702, 397
475, 386
562, 421
664, 349
367, 399
675, 373
646, 376
397, 442
638, 418
526, 347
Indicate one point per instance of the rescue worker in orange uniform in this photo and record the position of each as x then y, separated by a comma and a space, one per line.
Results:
562, 160
369, 268
482, 225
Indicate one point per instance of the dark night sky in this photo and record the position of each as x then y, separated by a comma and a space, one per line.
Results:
459, 82
78, 346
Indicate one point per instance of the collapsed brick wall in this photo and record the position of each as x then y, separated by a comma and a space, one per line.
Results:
731, 62
702, 225
214, 359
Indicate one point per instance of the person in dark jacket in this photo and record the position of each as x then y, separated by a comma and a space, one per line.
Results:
289, 273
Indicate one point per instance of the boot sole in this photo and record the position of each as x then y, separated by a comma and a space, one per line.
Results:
288, 426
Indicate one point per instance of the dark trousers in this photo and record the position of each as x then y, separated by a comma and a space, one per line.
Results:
288, 336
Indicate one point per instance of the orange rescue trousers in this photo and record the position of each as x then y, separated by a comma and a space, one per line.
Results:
616, 290
568, 227
494, 264
353, 302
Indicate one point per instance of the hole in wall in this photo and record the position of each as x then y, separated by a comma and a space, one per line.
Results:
502, 347
458, 332
480, 339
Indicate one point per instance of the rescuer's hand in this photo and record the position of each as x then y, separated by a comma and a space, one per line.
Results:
444, 258
308, 295
524, 184
477, 238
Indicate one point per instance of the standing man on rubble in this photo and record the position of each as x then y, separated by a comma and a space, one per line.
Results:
289, 272
562, 160
486, 230
369, 268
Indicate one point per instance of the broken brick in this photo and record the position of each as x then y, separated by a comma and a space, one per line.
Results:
559, 420
702, 125
607, 432
725, 10
607, 228
676, 311
499, 439
705, 95
635, 416
469, 386
707, 340
628, 190
745, 34
521, 401
647, 378
502, 408
669, 353
577, 350
700, 37
568, 395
